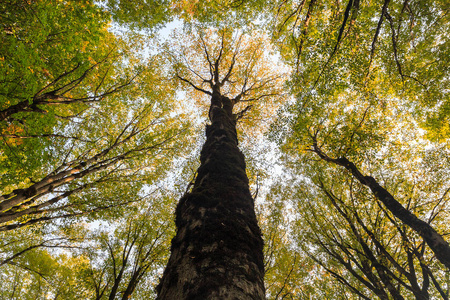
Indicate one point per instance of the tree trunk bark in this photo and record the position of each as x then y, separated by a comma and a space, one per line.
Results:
217, 252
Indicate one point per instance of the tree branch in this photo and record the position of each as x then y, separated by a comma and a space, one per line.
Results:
434, 240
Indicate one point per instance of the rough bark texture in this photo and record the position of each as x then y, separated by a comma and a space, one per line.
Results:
218, 250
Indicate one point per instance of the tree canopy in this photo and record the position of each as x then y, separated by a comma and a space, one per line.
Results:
342, 112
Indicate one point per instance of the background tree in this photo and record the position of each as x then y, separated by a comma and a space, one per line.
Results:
379, 254
106, 262
85, 123
345, 106
367, 91
67, 143
137, 248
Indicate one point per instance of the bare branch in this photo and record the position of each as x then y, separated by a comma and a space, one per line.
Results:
304, 33
377, 32
70, 215
194, 86
239, 116
297, 11
210, 63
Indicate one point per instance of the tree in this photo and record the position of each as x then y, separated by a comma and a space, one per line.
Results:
435, 241
394, 267
85, 124
367, 91
355, 89
96, 137
109, 261
217, 252
67, 143
43, 58
125, 259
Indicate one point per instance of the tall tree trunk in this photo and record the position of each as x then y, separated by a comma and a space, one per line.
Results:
217, 252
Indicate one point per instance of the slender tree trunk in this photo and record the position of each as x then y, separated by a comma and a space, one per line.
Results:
217, 252
435, 241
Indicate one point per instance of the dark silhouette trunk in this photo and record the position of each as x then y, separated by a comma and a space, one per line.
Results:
13, 109
434, 240
217, 252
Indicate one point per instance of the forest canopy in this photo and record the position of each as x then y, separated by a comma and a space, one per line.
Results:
342, 112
